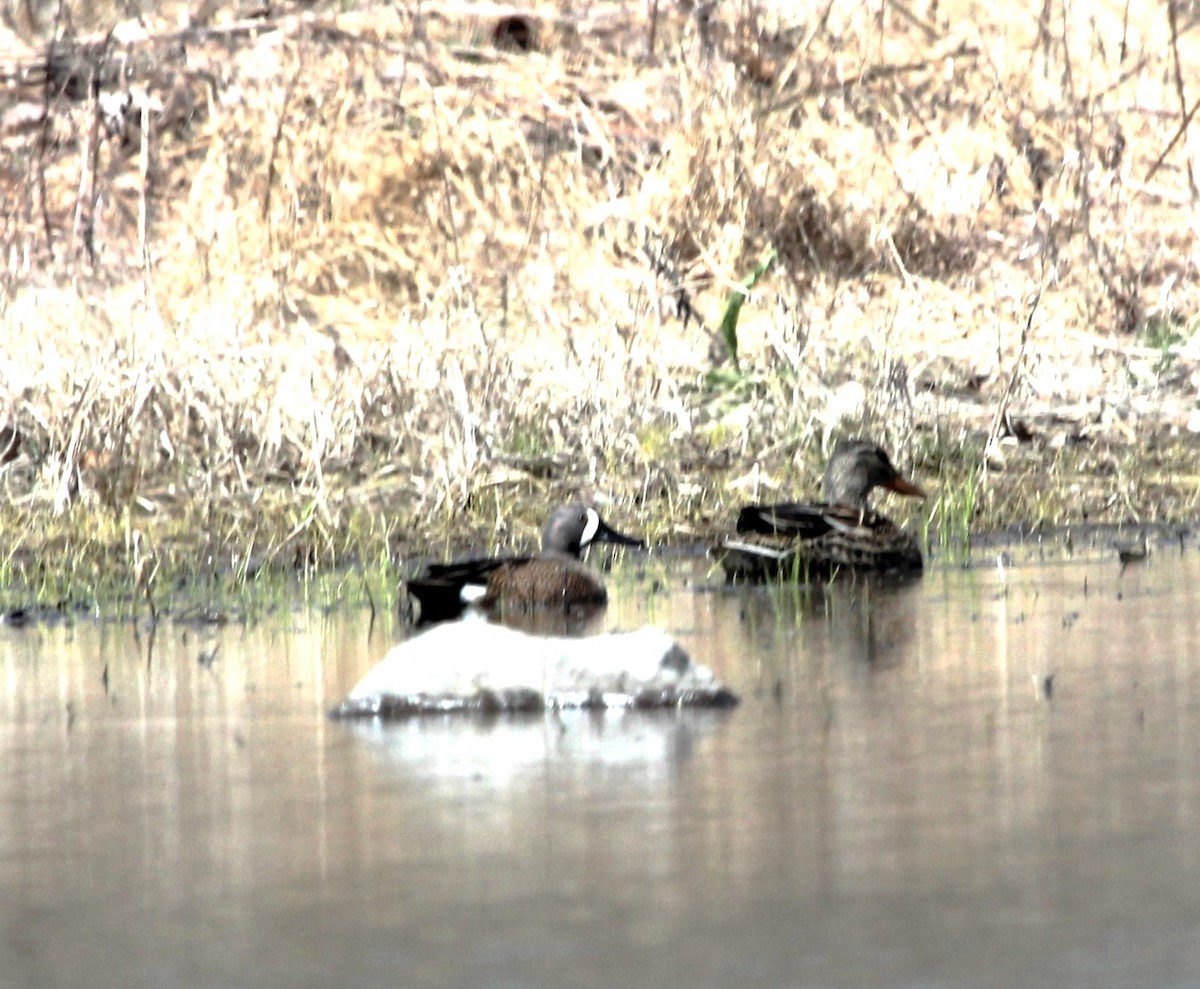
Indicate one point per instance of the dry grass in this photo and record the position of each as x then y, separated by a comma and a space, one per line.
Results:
357, 283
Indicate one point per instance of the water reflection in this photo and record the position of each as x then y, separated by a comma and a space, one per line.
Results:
499, 749
897, 801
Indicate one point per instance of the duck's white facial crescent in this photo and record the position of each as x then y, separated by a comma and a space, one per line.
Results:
590, 529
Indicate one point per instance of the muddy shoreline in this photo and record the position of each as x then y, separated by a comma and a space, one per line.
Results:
215, 598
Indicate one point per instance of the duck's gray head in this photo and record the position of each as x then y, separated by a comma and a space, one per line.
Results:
573, 528
858, 466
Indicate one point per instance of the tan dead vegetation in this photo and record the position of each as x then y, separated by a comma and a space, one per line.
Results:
347, 281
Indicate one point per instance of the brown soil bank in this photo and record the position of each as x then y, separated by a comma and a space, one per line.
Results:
342, 283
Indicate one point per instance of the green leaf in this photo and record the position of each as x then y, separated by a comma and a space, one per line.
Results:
733, 305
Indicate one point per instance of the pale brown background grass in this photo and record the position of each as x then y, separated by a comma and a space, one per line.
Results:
364, 281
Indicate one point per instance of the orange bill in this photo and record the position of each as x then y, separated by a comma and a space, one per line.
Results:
904, 486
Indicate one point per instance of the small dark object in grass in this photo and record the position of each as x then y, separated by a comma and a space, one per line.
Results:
1132, 552
10, 444
514, 33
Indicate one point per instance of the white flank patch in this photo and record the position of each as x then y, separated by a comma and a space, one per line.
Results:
471, 593
590, 530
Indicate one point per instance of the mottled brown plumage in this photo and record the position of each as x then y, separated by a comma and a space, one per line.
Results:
803, 541
550, 580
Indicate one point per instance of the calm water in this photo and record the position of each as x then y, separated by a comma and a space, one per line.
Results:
901, 800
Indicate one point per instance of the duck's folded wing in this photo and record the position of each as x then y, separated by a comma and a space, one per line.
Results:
792, 520
807, 520
443, 590
473, 571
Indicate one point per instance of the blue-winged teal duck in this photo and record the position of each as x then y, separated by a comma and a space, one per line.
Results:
554, 578
793, 540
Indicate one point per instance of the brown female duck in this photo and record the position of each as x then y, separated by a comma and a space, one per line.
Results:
798, 540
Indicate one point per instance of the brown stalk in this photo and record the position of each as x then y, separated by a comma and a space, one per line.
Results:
1000, 416
1178, 76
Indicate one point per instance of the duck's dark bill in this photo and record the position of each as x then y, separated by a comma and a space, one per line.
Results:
607, 534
